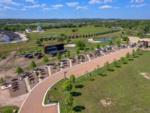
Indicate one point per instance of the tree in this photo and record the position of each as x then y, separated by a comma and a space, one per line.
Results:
118, 43
111, 43
39, 42
98, 46
59, 56
68, 54
78, 52
72, 79
69, 100
126, 39
74, 30
19, 70
124, 60
67, 86
45, 59
117, 64
128, 55
33, 65
81, 45
109, 67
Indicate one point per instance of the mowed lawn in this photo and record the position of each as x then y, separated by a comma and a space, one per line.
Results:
31, 43
127, 89
68, 31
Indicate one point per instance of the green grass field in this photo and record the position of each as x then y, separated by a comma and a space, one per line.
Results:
31, 45
68, 31
127, 89
9, 109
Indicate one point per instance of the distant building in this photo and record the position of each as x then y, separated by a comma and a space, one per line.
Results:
39, 29
28, 30
145, 42
54, 49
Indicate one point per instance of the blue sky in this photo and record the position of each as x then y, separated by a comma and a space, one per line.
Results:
124, 9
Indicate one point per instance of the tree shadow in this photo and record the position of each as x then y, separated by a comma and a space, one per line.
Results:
75, 94
92, 79
79, 86
78, 108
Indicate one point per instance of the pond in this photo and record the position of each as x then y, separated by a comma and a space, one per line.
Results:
104, 39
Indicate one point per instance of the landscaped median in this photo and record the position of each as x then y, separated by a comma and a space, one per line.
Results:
118, 87
9, 109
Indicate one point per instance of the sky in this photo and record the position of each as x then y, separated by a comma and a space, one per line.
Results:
72, 9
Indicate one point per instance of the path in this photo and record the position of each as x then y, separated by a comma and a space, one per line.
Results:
33, 104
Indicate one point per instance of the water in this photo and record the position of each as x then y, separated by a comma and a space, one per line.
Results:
104, 40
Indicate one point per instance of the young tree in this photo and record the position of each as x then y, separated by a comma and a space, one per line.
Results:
39, 42
67, 86
110, 43
33, 65
68, 54
118, 43
59, 56
72, 79
81, 45
19, 70
98, 46
45, 59
74, 30
78, 52
128, 55
69, 100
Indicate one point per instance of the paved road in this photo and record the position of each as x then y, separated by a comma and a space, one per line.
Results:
33, 104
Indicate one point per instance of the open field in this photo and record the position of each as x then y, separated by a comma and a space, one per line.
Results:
126, 90
8, 65
31, 43
68, 31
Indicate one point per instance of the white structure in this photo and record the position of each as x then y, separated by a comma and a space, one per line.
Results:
91, 40
28, 30
39, 29
70, 45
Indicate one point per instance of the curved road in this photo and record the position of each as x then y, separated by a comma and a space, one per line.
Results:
33, 103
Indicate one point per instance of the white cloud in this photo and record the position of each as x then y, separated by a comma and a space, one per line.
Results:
35, 5
137, 1
106, 7
57, 6
9, 2
81, 7
72, 4
9, 8
76, 5
99, 1
30, 1
137, 5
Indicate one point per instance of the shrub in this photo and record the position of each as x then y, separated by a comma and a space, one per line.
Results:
81, 45
67, 86
72, 79
117, 64
69, 100
45, 59
102, 72
19, 70
33, 65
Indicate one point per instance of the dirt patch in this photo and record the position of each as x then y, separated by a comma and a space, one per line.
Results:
146, 75
6, 99
8, 65
106, 102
